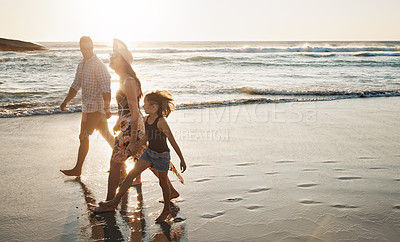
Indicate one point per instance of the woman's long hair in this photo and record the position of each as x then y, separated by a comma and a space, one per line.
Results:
132, 74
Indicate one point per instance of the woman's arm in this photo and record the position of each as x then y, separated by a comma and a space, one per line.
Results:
130, 90
164, 127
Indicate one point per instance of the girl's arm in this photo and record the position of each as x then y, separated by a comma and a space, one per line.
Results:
164, 127
142, 141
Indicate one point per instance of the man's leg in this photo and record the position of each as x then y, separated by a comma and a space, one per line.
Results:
88, 124
102, 127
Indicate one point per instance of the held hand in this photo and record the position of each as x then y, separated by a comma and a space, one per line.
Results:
108, 114
116, 128
62, 106
132, 148
183, 166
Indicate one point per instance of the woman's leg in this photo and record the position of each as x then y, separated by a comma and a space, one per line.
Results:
163, 179
113, 179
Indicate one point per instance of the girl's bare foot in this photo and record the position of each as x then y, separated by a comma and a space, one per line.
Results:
137, 181
174, 194
101, 209
165, 213
71, 172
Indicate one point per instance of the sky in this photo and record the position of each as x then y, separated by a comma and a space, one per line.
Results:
200, 20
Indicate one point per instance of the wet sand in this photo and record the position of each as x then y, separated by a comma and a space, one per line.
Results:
320, 171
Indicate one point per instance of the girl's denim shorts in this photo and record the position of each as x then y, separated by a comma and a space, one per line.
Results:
160, 161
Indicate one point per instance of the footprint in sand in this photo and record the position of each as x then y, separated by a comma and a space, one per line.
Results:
305, 185
212, 215
285, 161
377, 168
343, 206
397, 207
246, 164
232, 200
262, 189
271, 173
235, 175
254, 207
309, 202
202, 180
310, 169
199, 165
366, 158
349, 178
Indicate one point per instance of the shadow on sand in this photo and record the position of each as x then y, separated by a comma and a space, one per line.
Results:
104, 226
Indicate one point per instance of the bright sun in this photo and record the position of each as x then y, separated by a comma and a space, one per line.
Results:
124, 19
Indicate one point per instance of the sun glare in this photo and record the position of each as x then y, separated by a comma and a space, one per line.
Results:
124, 19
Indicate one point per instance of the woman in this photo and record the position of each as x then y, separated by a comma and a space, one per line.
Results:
130, 121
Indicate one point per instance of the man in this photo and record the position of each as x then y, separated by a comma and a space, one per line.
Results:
94, 79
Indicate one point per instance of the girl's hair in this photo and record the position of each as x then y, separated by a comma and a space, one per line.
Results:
132, 74
163, 99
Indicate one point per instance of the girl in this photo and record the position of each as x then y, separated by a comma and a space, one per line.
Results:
158, 105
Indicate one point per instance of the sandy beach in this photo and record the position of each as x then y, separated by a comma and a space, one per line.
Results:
302, 171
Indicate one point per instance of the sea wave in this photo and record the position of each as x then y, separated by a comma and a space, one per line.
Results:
9, 59
319, 55
17, 95
26, 109
377, 54
345, 93
311, 49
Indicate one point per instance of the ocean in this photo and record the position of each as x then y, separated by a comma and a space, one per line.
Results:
207, 74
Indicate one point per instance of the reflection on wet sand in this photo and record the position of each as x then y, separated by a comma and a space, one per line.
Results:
104, 226
172, 230
135, 220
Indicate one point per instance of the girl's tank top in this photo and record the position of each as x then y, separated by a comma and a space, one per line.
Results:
157, 139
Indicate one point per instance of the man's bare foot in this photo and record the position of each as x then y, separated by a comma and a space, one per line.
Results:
101, 209
163, 215
71, 172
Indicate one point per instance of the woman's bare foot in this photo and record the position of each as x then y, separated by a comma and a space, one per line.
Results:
110, 203
165, 213
102, 209
72, 172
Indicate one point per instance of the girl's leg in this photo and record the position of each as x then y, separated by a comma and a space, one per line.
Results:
174, 192
124, 173
139, 167
163, 179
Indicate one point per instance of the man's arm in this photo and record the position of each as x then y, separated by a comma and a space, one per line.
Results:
73, 90
71, 94
107, 100
104, 78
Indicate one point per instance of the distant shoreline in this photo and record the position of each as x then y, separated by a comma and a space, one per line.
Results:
19, 45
